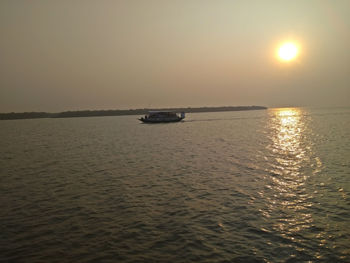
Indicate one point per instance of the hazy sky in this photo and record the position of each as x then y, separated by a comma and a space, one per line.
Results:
84, 54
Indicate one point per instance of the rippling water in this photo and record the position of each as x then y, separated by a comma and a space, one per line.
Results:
256, 186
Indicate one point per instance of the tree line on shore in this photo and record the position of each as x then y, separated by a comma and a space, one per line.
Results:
96, 113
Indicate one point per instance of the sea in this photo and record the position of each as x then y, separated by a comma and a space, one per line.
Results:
243, 186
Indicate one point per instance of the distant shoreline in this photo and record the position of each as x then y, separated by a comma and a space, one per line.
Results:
96, 113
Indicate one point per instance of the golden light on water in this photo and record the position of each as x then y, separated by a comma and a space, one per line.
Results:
289, 127
288, 51
287, 146
291, 156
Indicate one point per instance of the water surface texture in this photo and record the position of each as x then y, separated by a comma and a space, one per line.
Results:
255, 186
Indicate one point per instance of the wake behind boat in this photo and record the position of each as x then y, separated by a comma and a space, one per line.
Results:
162, 116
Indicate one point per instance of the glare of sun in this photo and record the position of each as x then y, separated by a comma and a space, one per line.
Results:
287, 51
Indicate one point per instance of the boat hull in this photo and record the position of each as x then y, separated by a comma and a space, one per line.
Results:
160, 120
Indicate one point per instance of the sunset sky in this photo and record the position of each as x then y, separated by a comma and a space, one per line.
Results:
83, 54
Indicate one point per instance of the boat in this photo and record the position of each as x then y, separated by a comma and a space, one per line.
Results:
162, 116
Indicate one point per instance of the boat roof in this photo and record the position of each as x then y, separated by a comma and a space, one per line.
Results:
154, 111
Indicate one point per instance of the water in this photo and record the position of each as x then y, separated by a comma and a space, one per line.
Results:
255, 186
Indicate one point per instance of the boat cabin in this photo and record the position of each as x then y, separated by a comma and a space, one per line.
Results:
162, 116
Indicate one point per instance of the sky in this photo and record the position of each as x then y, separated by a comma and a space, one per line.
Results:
58, 55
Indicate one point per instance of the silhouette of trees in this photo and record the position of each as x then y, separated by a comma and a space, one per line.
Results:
95, 113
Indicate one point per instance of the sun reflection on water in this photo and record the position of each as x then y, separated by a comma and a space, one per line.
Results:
288, 131
288, 201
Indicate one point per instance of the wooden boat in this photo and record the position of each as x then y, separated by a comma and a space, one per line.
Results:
162, 117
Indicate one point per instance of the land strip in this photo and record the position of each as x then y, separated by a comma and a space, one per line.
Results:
96, 113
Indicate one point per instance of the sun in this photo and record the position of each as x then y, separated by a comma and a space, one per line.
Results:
288, 51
